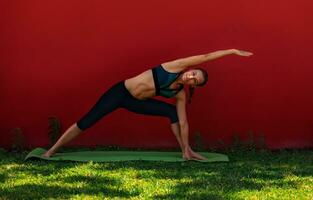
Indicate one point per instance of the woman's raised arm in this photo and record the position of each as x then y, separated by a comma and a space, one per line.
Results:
182, 63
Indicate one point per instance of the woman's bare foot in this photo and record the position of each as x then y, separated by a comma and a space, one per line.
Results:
69, 134
48, 154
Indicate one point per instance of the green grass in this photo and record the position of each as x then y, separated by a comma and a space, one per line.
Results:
249, 175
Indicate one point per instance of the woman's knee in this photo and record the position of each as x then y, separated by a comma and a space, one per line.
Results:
172, 114
84, 123
78, 127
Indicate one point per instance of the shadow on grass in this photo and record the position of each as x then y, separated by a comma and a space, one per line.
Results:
36, 191
60, 184
221, 180
189, 180
3, 178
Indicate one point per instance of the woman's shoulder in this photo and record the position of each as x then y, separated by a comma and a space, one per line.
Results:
172, 67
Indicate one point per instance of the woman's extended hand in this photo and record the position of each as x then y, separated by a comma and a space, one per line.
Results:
242, 53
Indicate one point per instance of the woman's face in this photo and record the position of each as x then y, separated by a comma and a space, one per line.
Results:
192, 77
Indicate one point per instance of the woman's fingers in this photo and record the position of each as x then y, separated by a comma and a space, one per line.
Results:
244, 53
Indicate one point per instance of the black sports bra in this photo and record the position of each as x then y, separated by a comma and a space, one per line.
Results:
162, 81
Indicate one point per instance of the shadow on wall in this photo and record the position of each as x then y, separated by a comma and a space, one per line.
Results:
253, 142
19, 142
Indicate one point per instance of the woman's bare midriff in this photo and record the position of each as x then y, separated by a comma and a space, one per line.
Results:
141, 86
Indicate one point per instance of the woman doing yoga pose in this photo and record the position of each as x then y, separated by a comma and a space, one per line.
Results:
135, 94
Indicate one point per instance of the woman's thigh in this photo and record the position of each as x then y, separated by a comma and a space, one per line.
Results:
151, 107
107, 103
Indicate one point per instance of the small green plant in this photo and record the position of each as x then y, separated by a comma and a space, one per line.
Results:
251, 144
54, 129
217, 145
236, 142
222, 145
198, 141
261, 144
18, 140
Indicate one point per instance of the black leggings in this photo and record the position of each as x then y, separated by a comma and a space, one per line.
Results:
119, 97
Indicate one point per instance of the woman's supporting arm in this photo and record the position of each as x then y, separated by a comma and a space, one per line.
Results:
182, 118
183, 134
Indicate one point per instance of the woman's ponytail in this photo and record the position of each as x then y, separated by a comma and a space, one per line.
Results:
192, 89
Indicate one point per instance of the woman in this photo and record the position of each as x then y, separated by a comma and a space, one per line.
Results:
134, 94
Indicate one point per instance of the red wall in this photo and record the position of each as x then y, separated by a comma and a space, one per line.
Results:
58, 57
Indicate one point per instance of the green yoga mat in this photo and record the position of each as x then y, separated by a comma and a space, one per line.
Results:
105, 156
